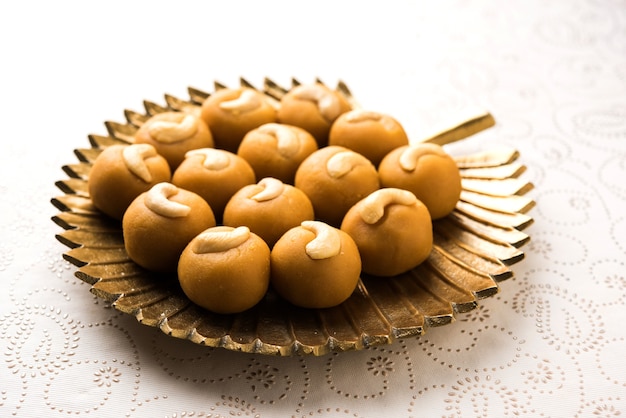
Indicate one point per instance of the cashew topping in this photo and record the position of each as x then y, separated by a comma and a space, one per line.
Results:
134, 157
272, 188
220, 238
409, 158
343, 162
287, 142
360, 115
248, 100
372, 208
327, 241
326, 101
173, 127
157, 200
213, 159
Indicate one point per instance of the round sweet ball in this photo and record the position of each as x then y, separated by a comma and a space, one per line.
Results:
369, 133
214, 174
225, 270
173, 134
315, 265
335, 178
159, 223
233, 112
314, 108
428, 172
392, 229
120, 173
276, 150
269, 208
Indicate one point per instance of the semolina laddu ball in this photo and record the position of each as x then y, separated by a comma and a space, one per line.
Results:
225, 270
159, 223
371, 134
428, 172
232, 113
314, 108
215, 174
335, 178
120, 173
392, 229
269, 208
276, 150
315, 265
173, 134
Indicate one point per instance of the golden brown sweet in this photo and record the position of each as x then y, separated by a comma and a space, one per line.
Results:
315, 265
173, 134
335, 178
269, 208
225, 270
392, 229
314, 108
159, 224
371, 134
428, 172
215, 174
276, 150
121, 173
231, 113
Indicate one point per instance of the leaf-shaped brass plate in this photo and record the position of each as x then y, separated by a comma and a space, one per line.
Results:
474, 248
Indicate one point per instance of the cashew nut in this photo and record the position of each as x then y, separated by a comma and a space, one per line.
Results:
343, 162
219, 239
410, 156
134, 157
326, 102
287, 142
327, 241
272, 188
372, 208
173, 127
361, 115
246, 101
213, 159
157, 200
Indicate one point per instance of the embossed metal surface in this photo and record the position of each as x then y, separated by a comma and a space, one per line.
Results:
474, 248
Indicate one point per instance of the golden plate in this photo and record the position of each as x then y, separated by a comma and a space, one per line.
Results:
474, 248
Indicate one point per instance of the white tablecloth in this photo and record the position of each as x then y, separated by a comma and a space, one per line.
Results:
553, 74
